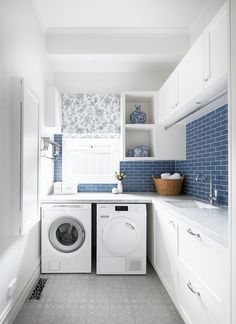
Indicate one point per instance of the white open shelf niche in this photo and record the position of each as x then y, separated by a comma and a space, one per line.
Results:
151, 134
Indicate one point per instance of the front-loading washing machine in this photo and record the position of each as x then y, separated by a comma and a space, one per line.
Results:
66, 238
121, 238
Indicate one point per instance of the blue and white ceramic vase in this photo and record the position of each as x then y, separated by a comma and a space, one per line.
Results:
138, 116
141, 151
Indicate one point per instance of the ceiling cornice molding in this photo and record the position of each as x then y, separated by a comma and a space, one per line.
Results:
116, 31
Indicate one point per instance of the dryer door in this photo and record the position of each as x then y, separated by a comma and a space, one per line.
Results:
121, 236
66, 234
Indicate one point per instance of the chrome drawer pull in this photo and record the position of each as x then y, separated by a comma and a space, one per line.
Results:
191, 232
192, 290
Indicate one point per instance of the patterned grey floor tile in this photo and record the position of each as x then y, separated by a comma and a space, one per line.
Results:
90, 298
150, 314
99, 314
120, 314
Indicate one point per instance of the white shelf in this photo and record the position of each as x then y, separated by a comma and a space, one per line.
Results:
163, 145
140, 127
147, 101
134, 135
149, 158
140, 136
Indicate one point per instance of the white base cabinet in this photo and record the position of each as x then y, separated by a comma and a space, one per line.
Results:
196, 304
192, 267
165, 252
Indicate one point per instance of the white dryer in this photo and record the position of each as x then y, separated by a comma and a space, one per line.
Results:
66, 238
121, 239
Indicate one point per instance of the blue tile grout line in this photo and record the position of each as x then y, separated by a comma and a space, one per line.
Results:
206, 151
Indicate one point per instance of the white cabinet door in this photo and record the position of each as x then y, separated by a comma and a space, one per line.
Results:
216, 49
190, 76
53, 112
168, 97
196, 304
165, 249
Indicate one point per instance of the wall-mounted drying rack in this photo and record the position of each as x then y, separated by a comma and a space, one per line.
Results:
221, 94
45, 145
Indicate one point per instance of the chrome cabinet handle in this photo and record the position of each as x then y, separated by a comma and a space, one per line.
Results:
130, 226
189, 285
191, 232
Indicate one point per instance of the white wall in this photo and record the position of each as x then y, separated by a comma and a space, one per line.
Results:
108, 82
22, 55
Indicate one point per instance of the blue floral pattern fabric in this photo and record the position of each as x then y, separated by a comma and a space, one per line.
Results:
91, 115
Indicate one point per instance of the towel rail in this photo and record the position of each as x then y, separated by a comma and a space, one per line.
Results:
45, 147
221, 94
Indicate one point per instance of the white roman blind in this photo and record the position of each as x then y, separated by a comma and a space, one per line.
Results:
90, 160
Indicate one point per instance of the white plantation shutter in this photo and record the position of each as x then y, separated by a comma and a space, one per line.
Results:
90, 160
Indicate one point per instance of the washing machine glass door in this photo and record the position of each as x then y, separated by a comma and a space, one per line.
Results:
121, 236
66, 234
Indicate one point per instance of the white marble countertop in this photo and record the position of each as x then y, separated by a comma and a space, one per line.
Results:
212, 222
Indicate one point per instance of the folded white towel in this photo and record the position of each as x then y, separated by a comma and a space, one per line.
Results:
175, 176
165, 175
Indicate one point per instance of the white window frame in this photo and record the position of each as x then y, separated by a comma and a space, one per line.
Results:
94, 146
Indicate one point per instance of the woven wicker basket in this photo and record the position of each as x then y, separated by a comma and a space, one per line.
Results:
168, 187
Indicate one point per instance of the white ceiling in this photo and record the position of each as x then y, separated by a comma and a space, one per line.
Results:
121, 13
113, 62
77, 33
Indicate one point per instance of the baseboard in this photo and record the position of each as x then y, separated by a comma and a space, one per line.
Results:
10, 313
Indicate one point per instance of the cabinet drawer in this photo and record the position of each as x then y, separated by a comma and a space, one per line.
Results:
197, 304
205, 257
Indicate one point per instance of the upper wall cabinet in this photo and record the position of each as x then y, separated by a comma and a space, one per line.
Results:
53, 109
215, 49
190, 74
168, 97
201, 75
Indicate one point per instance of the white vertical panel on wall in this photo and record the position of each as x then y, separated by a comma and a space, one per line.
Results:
25, 156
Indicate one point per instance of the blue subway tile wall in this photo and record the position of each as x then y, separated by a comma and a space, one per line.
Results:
58, 160
207, 152
139, 174
95, 187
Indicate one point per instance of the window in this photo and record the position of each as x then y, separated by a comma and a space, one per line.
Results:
90, 160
